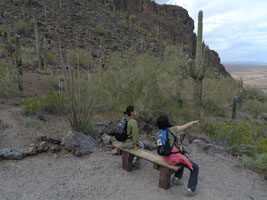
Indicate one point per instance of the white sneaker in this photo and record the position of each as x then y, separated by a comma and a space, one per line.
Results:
189, 192
177, 181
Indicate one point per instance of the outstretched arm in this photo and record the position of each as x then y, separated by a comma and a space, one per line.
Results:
187, 125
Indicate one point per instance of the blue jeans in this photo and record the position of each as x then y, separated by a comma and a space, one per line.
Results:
192, 183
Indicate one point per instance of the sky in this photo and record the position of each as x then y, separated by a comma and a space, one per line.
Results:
236, 29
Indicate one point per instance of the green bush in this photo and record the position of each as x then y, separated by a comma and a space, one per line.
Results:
244, 138
46, 103
32, 122
218, 95
255, 107
255, 94
23, 28
81, 57
8, 83
257, 163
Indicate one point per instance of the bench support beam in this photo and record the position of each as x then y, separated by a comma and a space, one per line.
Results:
164, 177
127, 161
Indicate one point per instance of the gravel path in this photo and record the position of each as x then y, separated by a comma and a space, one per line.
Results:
99, 176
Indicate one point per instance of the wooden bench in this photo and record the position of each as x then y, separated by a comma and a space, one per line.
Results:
165, 169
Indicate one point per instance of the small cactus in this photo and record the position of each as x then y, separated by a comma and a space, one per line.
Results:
235, 100
241, 93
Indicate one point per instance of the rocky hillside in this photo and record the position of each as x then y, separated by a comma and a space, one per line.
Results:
101, 25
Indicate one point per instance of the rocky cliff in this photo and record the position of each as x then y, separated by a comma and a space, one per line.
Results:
172, 23
119, 24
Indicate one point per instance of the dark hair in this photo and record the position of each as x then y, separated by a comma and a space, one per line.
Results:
129, 109
163, 122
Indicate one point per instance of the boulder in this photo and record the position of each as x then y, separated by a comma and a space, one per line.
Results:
149, 145
43, 147
144, 127
11, 154
193, 136
31, 150
50, 139
106, 127
78, 143
115, 151
106, 139
55, 148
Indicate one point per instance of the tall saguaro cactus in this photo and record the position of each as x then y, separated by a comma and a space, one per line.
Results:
37, 40
197, 68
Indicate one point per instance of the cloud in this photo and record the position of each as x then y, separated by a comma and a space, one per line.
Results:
235, 29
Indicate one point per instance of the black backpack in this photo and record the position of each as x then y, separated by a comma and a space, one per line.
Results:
121, 130
163, 146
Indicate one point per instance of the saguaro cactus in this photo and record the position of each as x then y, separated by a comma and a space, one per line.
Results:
241, 93
234, 107
45, 54
19, 64
197, 69
37, 40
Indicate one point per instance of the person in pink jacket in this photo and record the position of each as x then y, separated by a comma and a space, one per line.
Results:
178, 158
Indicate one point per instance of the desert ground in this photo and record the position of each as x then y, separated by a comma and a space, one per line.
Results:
99, 176
252, 75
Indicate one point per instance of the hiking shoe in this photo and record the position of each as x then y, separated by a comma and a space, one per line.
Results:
177, 181
137, 166
189, 192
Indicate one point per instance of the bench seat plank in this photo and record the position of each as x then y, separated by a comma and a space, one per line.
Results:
147, 156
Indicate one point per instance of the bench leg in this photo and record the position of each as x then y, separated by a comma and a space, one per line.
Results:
164, 177
156, 166
127, 160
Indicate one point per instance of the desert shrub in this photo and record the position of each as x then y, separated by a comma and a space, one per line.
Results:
153, 84
8, 86
257, 163
255, 107
218, 93
78, 99
22, 27
90, 130
27, 56
81, 57
44, 103
261, 160
50, 58
32, 122
100, 30
255, 94
246, 137
2, 30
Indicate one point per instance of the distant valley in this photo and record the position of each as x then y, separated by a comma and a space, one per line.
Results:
253, 75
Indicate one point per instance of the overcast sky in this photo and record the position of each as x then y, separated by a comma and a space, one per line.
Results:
236, 29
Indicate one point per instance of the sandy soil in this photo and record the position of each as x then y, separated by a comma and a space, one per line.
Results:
252, 77
99, 176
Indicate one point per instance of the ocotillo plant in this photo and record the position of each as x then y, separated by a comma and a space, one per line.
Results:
19, 63
234, 107
37, 40
197, 70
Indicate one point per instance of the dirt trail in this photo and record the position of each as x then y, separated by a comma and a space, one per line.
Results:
99, 176
13, 135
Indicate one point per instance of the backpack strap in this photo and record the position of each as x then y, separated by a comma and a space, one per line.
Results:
175, 140
126, 119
